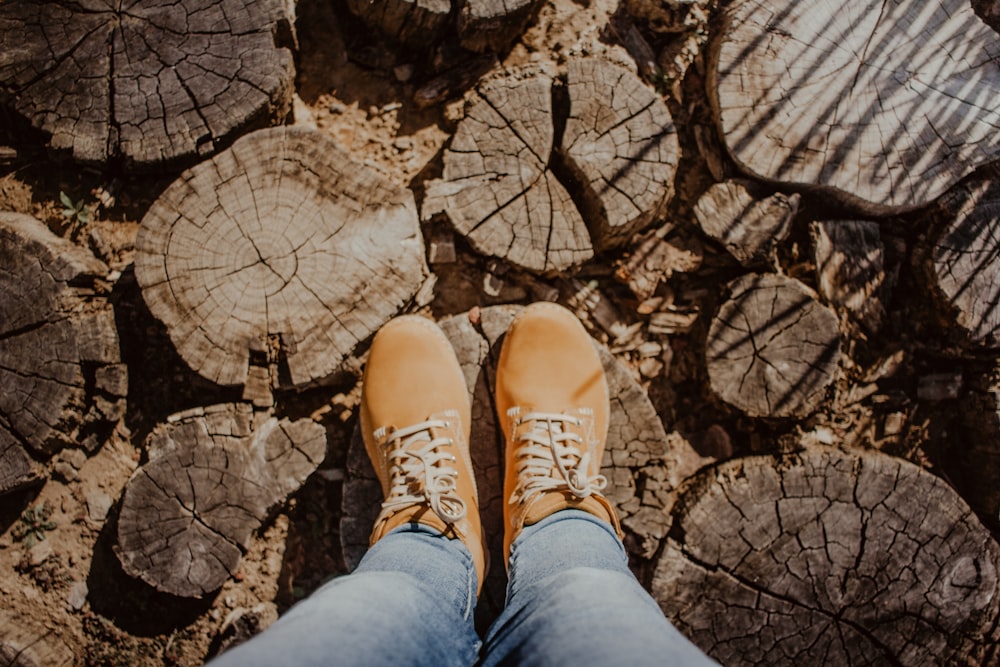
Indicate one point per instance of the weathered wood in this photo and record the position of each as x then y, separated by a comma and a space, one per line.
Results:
146, 82
17, 470
750, 227
496, 188
27, 642
850, 269
973, 459
57, 335
823, 557
885, 104
278, 251
621, 146
212, 477
643, 465
493, 25
656, 257
772, 349
504, 189
965, 265
413, 23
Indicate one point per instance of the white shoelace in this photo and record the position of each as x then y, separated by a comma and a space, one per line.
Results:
548, 444
419, 474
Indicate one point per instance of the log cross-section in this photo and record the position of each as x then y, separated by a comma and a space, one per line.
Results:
145, 81
823, 557
887, 104
280, 250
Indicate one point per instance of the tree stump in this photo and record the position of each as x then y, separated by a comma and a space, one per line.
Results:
212, 478
885, 104
412, 23
747, 226
964, 263
643, 465
850, 269
493, 25
824, 557
772, 349
508, 191
270, 262
147, 82
58, 348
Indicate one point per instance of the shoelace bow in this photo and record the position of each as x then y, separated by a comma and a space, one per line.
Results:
418, 473
548, 444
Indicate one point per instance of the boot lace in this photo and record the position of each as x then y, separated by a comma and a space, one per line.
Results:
420, 473
547, 445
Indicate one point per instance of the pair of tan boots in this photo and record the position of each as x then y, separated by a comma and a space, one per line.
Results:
553, 407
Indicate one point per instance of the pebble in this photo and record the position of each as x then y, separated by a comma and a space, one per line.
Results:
98, 505
77, 595
337, 107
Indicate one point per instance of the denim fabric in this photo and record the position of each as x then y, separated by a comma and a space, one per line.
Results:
571, 600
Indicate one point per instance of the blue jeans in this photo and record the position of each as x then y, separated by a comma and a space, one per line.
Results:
571, 600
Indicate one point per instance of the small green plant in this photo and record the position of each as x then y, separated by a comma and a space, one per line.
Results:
77, 214
33, 524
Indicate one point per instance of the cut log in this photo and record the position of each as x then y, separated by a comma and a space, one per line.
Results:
147, 82
656, 258
279, 251
57, 336
621, 146
504, 189
850, 269
17, 470
750, 227
965, 264
883, 104
823, 557
26, 641
973, 460
493, 25
212, 478
643, 465
772, 349
417, 24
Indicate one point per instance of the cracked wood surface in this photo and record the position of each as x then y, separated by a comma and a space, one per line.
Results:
749, 226
824, 557
146, 81
212, 477
58, 349
643, 465
850, 268
964, 263
508, 173
772, 348
493, 25
888, 104
412, 23
279, 254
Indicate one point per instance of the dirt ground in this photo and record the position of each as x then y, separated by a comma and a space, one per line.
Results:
66, 595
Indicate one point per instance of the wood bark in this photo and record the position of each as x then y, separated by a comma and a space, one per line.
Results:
58, 341
279, 254
885, 104
147, 82
643, 465
493, 25
850, 269
212, 477
964, 263
823, 557
506, 189
772, 349
412, 23
749, 226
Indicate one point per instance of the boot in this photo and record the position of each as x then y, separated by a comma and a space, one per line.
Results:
415, 416
553, 406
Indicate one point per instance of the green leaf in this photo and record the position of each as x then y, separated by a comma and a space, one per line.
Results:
64, 198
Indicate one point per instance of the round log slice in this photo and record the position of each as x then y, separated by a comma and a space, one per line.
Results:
144, 80
750, 227
212, 477
823, 557
278, 249
965, 266
886, 103
642, 464
772, 349
621, 146
506, 190
58, 342
413, 23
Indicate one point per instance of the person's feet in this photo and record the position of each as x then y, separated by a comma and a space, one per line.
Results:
553, 407
415, 418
